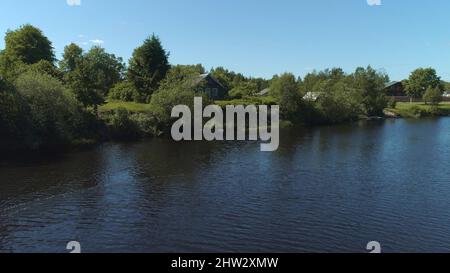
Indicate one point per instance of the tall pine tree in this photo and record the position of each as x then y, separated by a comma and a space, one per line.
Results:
148, 66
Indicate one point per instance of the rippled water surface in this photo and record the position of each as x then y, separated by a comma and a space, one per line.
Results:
327, 189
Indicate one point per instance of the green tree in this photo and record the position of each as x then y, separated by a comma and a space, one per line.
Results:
148, 66
29, 45
180, 75
236, 82
44, 66
124, 91
227, 78
95, 73
180, 91
177, 88
106, 69
72, 55
244, 89
163, 102
446, 85
311, 80
10, 68
420, 80
338, 101
83, 85
224, 76
432, 96
371, 84
285, 89
260, 83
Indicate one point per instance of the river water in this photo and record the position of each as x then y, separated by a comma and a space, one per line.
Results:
327, 189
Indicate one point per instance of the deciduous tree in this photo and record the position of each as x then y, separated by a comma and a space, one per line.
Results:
94, 74
371, 84
285, 89
420, 80
29, 45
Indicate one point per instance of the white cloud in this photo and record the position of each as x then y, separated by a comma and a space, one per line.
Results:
97, 41
374, 2
73, 2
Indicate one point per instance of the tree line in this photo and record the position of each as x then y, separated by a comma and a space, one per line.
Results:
45, 102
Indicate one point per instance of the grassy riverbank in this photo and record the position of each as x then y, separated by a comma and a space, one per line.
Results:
419, 109
402, 109
132, 107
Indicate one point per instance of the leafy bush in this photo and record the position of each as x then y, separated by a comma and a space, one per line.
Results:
13, 114
244, 89
53, 111
340, 103
432, 96
147, 124
392, 103
124, 91
163, 101
46, 67
435, 111
416, 111
121, 126
11, 68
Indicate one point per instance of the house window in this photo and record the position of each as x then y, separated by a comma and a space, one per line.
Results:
208, 92
215, 92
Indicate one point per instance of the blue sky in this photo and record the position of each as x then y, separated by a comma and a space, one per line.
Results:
255, 37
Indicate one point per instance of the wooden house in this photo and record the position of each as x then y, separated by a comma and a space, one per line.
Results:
208, 85
395, 89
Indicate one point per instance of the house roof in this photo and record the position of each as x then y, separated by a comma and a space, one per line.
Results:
390, 84
264, 92
202, 77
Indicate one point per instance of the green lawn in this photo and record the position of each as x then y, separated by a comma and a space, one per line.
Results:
133, 107
406, 105
418, 109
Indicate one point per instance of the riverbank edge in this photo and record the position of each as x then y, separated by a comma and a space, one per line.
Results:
412, 112
417, 111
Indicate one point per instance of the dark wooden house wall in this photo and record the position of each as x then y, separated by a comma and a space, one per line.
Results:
396, 90
212, 89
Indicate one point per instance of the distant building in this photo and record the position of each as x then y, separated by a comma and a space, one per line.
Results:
264, 92
395, 89
208, 85
312, 96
